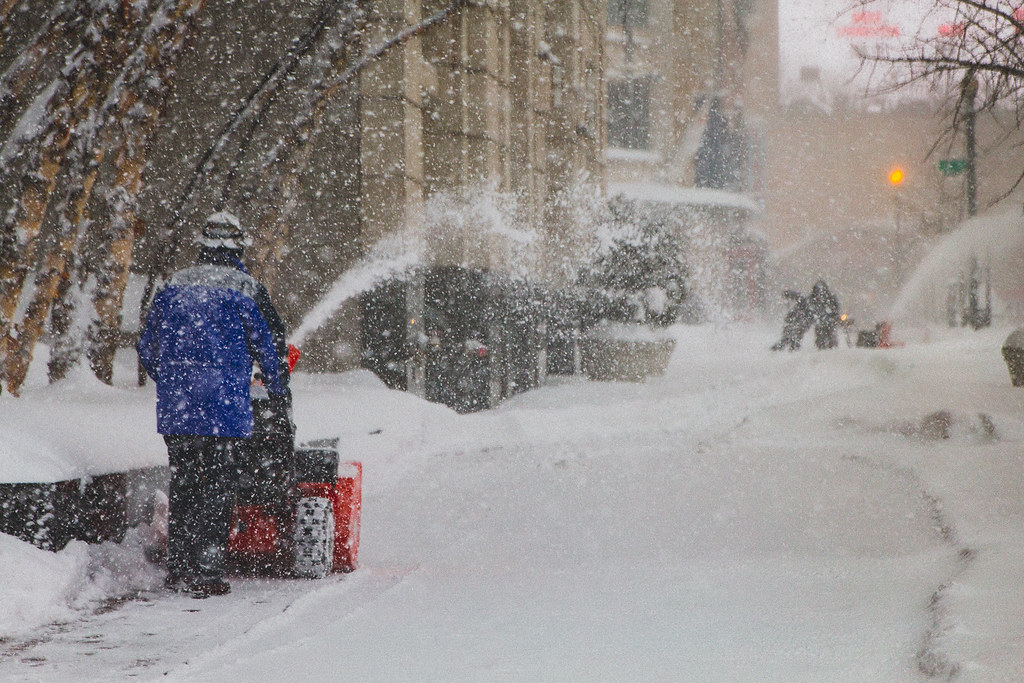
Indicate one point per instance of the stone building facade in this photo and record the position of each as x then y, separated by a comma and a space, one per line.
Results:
668, 60
497, 110
506, 96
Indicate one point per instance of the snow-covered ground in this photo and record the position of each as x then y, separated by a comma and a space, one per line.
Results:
848, 515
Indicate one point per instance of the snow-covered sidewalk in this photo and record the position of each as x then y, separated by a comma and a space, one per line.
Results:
850, 515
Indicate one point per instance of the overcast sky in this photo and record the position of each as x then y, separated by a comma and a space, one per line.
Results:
822, 34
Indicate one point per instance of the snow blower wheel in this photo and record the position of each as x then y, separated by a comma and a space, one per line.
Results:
314, 538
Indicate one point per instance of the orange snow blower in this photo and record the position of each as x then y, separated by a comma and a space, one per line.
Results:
297, 510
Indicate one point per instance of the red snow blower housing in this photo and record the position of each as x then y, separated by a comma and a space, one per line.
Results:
296, 509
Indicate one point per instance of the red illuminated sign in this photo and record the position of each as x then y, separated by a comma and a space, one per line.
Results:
868, 25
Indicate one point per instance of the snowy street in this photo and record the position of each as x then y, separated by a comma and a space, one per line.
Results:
849, 515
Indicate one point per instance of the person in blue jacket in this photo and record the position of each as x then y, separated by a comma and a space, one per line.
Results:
206, 327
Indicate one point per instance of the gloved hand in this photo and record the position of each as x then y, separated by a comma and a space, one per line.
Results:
280, 407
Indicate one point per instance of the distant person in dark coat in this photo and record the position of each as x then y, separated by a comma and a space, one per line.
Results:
797, 322
205, 329
825, 308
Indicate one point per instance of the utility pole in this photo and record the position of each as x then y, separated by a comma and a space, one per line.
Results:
975, 316
968, 91
896, 178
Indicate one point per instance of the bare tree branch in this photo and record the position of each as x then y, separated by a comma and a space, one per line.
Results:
258, 98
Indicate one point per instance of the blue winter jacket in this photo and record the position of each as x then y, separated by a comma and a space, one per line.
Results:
202, 335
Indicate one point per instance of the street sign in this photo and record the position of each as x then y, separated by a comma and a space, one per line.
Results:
949, 167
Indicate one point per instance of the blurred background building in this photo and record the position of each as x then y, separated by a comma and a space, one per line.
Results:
831, 208
493, 138
691, 89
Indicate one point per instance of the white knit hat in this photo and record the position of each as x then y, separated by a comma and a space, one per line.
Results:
223, 230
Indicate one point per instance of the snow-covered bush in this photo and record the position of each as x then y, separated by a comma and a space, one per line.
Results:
637, 271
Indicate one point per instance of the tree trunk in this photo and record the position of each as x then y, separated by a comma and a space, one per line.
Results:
136, 117
36, 189
5, 13
146, 103
67, 347
26, 65
74, 120
49, 279
119, 237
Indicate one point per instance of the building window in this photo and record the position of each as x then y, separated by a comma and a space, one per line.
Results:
629, 113
627, 13
723, 156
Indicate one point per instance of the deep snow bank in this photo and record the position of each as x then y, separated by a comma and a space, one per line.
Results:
78, 428
39, 587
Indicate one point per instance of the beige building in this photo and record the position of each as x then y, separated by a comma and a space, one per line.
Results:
476, 136
691, 86
830, 169
817, 164
668, 61
830, 208
504, 97
838, 133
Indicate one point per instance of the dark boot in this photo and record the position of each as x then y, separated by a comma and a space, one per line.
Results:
174, 582
204, 587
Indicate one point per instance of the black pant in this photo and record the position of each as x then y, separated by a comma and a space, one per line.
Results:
201, 500
825, 336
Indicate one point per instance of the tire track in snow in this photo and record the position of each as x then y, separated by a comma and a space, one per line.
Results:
346, 598
151, 634
931, 660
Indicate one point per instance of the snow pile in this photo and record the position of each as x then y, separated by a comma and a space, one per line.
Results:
40, 587
77, 428
37, 585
